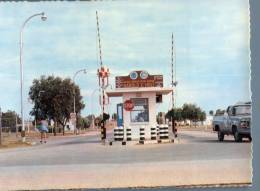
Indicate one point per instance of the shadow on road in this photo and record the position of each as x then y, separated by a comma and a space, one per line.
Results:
201, 139
216, 141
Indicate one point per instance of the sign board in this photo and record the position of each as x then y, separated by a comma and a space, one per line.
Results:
128, 105
73, 117
139, 79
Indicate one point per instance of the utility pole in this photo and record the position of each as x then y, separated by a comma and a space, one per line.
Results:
16, 126
173, 83
0, 126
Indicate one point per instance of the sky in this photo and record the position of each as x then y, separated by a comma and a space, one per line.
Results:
211, 43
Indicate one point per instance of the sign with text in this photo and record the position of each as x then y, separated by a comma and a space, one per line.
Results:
139, 79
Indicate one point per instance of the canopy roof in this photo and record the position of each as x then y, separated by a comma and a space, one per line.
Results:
118, 92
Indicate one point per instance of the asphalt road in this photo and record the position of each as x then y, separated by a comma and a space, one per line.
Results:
87, 150
197, 151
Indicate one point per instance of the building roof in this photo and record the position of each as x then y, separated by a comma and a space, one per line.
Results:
118, 92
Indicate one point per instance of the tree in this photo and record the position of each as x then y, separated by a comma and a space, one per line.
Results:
9, 119
176, 113
114, 116
53, 99
202, 116
211, 112
83, 122
219, 112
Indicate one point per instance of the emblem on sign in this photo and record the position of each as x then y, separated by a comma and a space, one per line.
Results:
128, 105
144, 75
133, 75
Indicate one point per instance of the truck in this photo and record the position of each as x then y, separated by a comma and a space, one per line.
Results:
236, 121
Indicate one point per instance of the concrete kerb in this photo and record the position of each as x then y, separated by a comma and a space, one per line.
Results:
141, 142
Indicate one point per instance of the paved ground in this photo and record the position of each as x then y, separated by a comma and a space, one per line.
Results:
81, 161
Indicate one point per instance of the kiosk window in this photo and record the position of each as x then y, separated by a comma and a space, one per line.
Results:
140, 111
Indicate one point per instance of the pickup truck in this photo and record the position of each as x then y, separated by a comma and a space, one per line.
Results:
235, 121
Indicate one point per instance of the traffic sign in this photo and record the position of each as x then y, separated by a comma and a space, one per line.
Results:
73, 116
128, 105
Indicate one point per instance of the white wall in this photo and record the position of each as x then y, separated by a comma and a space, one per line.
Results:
152, 114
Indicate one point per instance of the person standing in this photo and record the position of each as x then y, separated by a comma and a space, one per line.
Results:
44, 130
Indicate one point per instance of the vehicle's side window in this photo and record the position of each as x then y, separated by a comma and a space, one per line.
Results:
227, 111
230, 109
233, 111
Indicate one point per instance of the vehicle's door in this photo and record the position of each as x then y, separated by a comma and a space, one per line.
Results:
229, 119
226, 119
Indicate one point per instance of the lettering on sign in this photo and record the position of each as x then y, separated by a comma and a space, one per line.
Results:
139, 79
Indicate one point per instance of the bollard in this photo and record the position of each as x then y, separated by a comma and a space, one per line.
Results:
120, 133
153, 133
164, 132
142, 134
128, 134
116, 134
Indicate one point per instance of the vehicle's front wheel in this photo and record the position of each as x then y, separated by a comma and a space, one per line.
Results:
220, 136
237, 136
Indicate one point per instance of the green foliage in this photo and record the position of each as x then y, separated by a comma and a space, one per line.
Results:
219, 112
53, 99
211, 112
83, 122
114, 116
9, 119
187, 112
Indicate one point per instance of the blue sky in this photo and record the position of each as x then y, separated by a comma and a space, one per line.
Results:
211, 39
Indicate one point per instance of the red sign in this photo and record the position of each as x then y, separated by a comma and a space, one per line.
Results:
139, 79
128, 105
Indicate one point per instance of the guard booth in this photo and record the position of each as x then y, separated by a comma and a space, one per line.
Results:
140, 93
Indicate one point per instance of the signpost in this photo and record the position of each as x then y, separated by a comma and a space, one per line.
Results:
73, 118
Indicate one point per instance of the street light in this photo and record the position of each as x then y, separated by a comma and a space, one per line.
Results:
74, 99
43, 18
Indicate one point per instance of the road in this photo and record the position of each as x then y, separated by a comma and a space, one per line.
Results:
82, 162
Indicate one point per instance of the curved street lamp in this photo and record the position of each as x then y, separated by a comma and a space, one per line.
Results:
74, 99
43, 18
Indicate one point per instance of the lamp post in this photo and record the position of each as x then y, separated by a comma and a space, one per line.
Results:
43, 17
74, 96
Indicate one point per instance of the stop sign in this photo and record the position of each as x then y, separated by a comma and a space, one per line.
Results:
128, 105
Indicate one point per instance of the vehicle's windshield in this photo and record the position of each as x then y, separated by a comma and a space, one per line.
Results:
243, 110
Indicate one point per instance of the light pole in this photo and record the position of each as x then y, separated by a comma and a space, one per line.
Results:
43, 17
74, 96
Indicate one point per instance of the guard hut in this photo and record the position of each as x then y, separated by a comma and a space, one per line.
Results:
140, 93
